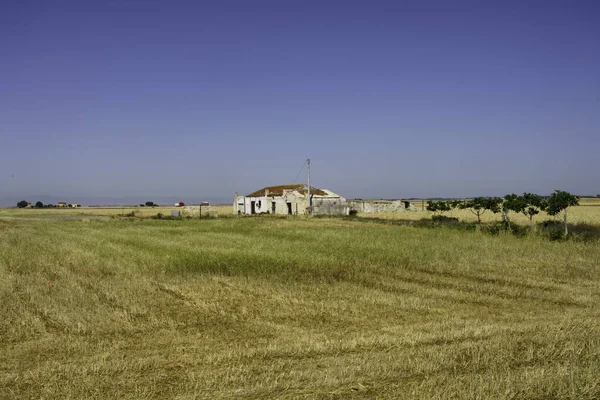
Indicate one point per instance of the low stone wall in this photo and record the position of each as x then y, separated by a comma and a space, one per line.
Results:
381, 206
194, 211
330, 207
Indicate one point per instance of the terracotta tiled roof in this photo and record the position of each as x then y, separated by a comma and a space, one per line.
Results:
278, 190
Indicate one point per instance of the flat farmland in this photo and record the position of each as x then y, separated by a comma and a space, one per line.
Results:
292, 308
116, 211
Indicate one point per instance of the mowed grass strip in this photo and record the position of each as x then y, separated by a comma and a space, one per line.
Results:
293, 308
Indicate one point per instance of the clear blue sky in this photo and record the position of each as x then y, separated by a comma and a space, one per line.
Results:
388, 98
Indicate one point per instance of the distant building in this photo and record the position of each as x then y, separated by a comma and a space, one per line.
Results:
61, 204
75, 205
290, 200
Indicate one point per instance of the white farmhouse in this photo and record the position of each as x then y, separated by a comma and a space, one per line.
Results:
290, 200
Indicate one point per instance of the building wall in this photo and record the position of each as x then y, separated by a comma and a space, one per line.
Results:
320, 205
260, 205
298, 202
330, 206
281, 207
264, 204
374, 206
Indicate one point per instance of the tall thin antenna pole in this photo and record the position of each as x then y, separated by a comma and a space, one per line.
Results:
309, 202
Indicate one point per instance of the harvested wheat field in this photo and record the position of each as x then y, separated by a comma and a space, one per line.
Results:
293, 308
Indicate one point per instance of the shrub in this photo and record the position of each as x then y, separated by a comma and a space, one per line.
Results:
443, 218
552, 229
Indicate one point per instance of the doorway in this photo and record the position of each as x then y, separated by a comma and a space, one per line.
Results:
289, 205
253, 207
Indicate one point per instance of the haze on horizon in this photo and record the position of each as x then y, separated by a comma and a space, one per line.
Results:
389, 99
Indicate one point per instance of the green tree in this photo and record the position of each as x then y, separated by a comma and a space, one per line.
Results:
22, 204
528, 204
455, 203
511, 203
150, 204
559, 202
532, 205
479, 205
39, 204
438, 206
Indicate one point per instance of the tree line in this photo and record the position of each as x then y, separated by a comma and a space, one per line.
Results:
528, 204
39, 204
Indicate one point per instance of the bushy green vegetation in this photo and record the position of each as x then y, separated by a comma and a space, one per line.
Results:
293, 308
528, 204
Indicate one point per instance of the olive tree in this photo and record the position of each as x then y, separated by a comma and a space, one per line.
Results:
532, 204
528, 204
438, 206
511, 203
479, 205
559, 202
